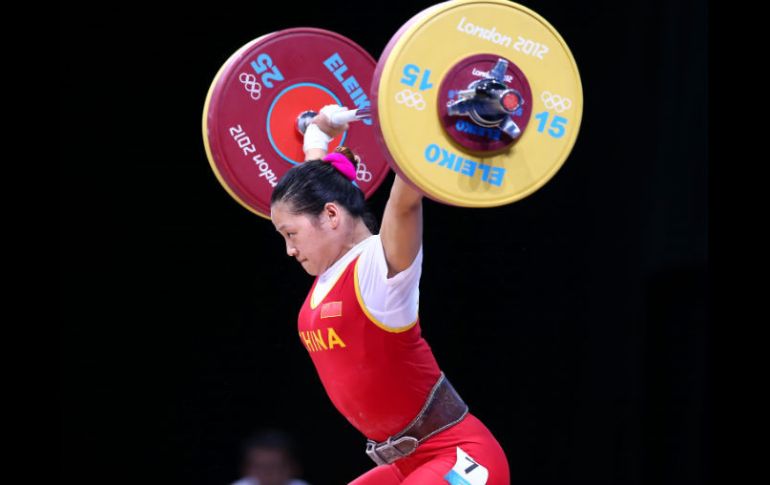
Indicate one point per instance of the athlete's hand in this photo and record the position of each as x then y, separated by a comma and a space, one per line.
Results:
324, 120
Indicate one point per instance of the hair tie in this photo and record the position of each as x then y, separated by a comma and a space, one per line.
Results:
343, 164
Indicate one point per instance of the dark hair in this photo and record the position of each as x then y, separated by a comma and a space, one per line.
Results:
307, 187
274, 439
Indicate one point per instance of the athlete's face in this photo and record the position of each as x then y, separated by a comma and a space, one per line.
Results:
268, 466
312, 241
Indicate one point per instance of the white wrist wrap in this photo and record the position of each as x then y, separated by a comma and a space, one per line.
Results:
315, 138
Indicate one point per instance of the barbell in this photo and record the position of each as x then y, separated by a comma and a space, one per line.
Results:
475, 103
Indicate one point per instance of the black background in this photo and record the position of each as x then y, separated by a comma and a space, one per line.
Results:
576, 322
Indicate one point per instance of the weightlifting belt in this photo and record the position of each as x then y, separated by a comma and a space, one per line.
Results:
443, 408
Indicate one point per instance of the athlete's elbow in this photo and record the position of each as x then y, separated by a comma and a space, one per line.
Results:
405, 196
404, 207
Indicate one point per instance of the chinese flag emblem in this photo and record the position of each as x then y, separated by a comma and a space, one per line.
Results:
331, 309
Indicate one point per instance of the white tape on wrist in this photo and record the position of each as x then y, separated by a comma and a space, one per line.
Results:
315, 138
333, 113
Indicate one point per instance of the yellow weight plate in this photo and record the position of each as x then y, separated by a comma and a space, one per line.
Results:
406, 99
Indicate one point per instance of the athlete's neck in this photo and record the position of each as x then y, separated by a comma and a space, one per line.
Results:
357, 233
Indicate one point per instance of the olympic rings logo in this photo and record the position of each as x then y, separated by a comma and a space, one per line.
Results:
410, 99
251, 85
362, 174
554, 101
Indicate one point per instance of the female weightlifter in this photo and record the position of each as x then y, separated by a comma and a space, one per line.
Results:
360, 322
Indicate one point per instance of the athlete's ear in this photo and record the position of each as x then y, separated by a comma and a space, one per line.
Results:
332, 212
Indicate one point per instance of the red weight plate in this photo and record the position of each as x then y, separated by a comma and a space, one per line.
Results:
253, 103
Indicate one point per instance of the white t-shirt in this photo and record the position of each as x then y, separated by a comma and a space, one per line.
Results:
392, 301
254, 481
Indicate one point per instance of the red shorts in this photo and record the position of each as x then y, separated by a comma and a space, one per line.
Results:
435, 458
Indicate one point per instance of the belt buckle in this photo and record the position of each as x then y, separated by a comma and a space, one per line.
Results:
387, 452
371, 451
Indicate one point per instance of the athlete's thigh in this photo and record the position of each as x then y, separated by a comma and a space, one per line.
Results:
476, 464
431, 472
380, 475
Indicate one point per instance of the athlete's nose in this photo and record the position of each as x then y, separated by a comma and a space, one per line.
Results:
291, 250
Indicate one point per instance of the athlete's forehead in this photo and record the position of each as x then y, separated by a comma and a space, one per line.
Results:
282, 217
279, 216
283, 226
